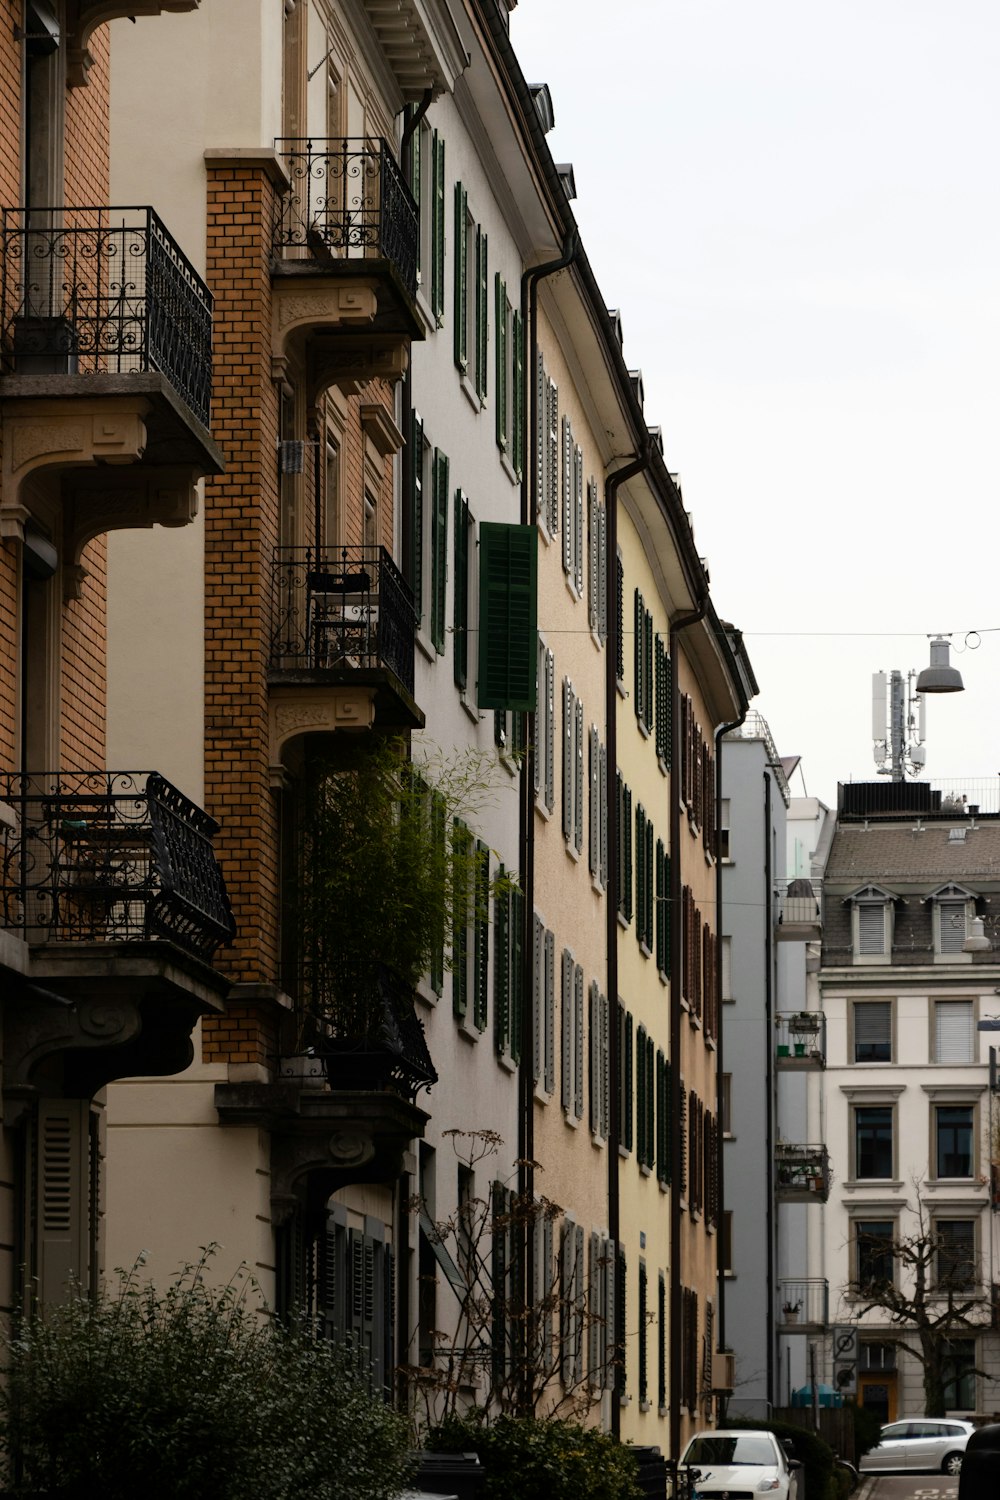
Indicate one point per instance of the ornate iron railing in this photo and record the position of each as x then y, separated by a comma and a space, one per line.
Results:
363, 1024
98, 291
345, 609
347, 198
109, 856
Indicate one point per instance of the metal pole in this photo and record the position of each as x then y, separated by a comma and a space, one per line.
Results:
812, 1382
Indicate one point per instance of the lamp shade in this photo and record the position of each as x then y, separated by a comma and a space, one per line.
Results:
940, 676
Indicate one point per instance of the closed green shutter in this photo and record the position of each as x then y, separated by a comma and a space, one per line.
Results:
439, 549
501, 971
481, 956
517, 395
437, 228
460, 643
620, 618
415, 182
508, 564
416, 579
461, 280
515, 947
462, 842
482, 314
502, 397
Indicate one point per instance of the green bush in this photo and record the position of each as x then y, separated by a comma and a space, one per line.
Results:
541, 1458
867, 1430
192, 1394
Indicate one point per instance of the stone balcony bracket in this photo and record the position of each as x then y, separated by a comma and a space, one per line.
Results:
306, 710
84, 17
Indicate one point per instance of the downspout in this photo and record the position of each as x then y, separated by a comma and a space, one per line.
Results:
769, 1122
612, 485
720, 1037
526, 818
676, 985
406, 538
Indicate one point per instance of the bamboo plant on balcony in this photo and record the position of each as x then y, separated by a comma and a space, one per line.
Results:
388, 872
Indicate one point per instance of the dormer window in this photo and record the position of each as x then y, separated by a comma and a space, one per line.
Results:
872, 925
952, 909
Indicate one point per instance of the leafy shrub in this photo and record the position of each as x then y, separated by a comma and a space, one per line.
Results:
541, 1458
189, 1394
867, 1429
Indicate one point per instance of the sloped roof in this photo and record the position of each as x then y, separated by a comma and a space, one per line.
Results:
902, 852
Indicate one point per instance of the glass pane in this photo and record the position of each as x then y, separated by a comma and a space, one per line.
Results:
873, 1142
954, 1140
954, 1033
873, 1031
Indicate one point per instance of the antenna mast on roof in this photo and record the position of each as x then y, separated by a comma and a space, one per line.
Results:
899, 723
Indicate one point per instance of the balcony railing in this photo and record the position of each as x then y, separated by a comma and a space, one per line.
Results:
103, 291
798, 910
802, 1173
364, 1026
803, 1305
801, 1039
109, 856
348, 199
343, 610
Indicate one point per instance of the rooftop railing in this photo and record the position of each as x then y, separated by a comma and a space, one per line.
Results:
109, 856
348, 198
103, 291
342, 610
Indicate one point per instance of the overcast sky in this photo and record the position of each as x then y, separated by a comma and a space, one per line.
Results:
796, 207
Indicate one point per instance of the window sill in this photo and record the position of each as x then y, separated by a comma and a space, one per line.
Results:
643, 728
645, 1171
544, 532
664, 768
508, 467
622, 689
574, 593
506, 1062
545, 813
624, 1152
471, 394
595, 637
575, 854
645, 949
470, 708
571, 1120
624, 922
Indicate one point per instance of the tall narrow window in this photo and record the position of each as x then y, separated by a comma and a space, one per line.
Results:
873, 1144
953, 1140
437, 227
460, 639
439, 549
872, 1031
954, 1031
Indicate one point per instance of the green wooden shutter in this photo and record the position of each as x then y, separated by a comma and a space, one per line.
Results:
508, 569
638, 687
620, 618
416, 579
461, 280
515, 948
501, 969
415, 183
439, 549
460, 643
437, 228
640, 873
482, 314
481, 955
517, 395
500, 323
438, 813
462, 842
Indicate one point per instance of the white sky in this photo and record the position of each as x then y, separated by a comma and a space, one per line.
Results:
795, 206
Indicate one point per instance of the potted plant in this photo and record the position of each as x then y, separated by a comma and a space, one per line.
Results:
790, 1311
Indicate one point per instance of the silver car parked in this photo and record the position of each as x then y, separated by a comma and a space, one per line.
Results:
919, 1443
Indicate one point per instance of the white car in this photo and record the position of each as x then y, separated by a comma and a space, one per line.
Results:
741, 1465
934, 1444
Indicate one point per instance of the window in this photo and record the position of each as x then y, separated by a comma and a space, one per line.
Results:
509, 378
418, 465
954, 1031
951, 926
953, 1148
645, 879
439, 549
662, 860
624, 852
545, 729
643, 1339
571, 1037
508, 634
874, 1262
463, 551
436, 215
664, 1120
871, 927
572, 768
572, 507
952, 906
872, 1031
644, 685
873, 1145
507, 981
547, 449
598, 776
645, 1114
726, 1103
471, 311
625, 1078
664, 693
723, 841
727, 969
597, 563
960, 1375
600, 1073
956, 1254
544, 1006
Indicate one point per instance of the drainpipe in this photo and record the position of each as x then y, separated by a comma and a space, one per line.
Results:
769, 1119
526, 818
676, 986
723, 730
612, 484
406, 538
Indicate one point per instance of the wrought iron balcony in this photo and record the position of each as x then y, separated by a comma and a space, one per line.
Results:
103, 291
802, 1173
341, 612
364, 1026
803, 1305
109, 857
348, 200
798, 910
801, 1039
